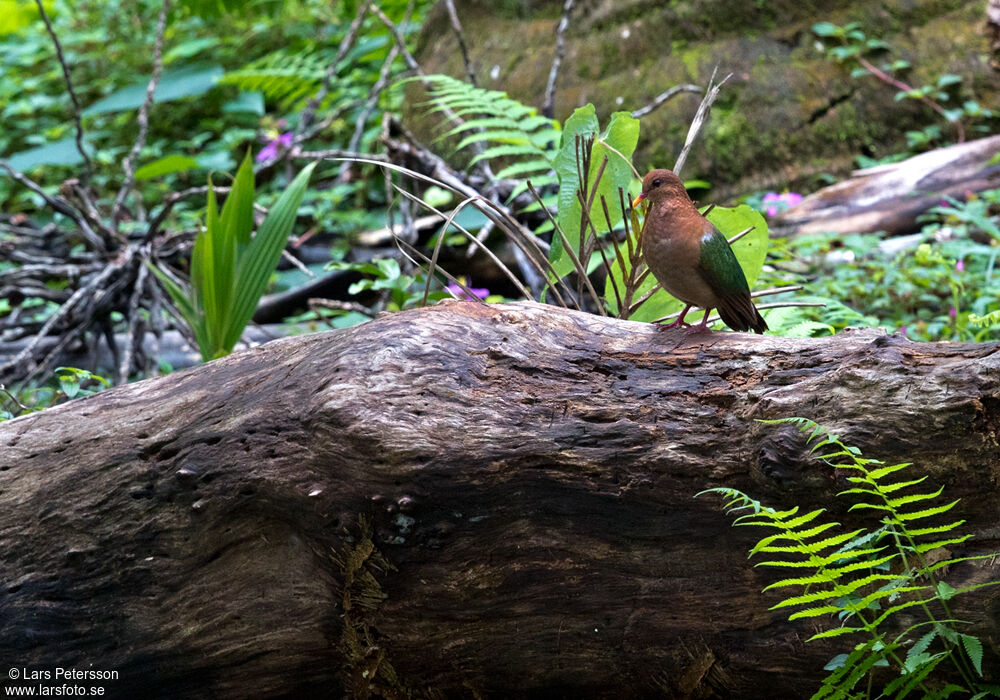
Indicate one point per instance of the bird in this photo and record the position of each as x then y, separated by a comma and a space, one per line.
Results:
691, 258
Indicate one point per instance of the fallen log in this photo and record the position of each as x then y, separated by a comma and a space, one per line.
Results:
465, 501
890, 197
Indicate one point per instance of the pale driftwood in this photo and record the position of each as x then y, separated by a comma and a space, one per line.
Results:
528, 474
890, 197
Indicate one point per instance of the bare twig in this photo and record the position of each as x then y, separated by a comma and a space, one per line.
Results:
309, 113
83, 294
69, 88
740, 235
664, 97
711, 93
772, 305
548, 103
372, 102
60, 205
463, 47
132, 337
140, 141
338, 305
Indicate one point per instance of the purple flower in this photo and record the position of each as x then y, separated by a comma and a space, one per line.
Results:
780, 202
960, 266
460, 293
953, 312
270, 151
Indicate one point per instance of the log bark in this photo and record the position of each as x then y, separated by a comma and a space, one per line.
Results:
466, 501
890, 197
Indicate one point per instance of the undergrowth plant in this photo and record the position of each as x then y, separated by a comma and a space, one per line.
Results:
863, 579
230, 267
849, 45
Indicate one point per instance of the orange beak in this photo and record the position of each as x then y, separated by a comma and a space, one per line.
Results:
641, 197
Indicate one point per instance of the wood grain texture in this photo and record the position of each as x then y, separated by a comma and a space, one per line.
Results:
527, 474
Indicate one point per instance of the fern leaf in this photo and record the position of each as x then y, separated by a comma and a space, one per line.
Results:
890, 488
810, 547
921, 548
907, 517
507, 150
815, 612
906, 684
935, 530
877, 474
835, 632
904, 500
974, 648
527, 167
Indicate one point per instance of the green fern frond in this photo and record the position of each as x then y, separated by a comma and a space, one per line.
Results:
283, 76
855, 575
500, 126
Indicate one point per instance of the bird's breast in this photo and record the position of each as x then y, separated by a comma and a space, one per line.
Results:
673, 260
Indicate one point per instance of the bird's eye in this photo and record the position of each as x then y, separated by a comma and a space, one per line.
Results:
657, 182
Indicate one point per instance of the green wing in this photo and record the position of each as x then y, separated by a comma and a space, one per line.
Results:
719, 266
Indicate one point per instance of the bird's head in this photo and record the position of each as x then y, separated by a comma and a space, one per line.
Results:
661, 185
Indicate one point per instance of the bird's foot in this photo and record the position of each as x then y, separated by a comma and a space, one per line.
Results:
674, 324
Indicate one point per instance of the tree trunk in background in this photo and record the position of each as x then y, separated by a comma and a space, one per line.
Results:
465, 501
890, 197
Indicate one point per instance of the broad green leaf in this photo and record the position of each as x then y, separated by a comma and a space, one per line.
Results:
617, 143
62, 152
174, 84
165, 166
237, 212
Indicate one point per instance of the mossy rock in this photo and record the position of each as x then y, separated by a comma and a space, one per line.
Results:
786, 115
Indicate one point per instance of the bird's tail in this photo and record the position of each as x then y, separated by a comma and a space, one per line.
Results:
739, 313
759, 325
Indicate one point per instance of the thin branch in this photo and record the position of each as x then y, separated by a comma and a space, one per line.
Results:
711, 93
462, 46
900, 85
69, 87
373, 98
132, 337
83, 293
548, 104
60, 205
772, 305
170, 201
143, 118
664, 97
302, 130
740, 235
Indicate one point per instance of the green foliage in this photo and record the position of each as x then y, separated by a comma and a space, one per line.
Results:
402, 291
229, 268
501, 127
864, 577
615, 145
68, 383
850, 46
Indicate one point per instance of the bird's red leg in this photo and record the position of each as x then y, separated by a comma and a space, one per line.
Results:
678, 322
